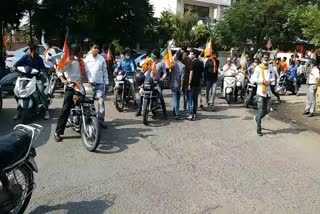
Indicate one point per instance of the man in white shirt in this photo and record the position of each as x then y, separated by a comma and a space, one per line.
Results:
70, 73
96, 68
312, 80
263, 76
49, 53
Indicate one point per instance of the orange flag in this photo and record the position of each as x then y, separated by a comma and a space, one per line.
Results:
208, 49
167, 57
65, 61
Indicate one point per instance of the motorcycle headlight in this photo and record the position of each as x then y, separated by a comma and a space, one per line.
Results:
119, 77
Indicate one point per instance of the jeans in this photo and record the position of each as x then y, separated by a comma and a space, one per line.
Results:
99, 92
264, 105
193, 100
176, 101
211, 87
185, 97
163, 104
296, 85
132, 88
65, 111
311, 99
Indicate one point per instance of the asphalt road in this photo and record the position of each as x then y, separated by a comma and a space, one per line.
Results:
216, 164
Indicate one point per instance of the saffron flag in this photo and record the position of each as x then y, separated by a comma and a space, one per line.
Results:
243, 61
167, 57
65, 60
269, 44
208, 49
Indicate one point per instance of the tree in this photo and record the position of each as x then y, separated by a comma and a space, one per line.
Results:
166, 28
200, 35
183, 28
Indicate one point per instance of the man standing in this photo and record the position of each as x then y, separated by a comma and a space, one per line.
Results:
177, 83
263, 76
98, 76
159, 73
284, 65
187, 61
71, 73
312, 80
294, 77
194, 85
49, 53
210, 77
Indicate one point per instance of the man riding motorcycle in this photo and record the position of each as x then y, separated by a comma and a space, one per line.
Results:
34, 61
127, 65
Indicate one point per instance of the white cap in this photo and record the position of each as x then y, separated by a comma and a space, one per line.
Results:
228, 59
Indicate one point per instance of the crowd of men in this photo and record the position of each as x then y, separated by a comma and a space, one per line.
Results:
188, 75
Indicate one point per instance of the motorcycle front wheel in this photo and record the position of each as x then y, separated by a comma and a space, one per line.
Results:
90, 139
145, 111
22, 187
52, 85
282, 91
228, 98
25, 116
119, 101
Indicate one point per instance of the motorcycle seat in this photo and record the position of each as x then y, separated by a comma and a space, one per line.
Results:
13, 147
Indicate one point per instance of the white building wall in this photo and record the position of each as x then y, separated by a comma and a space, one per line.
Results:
163, 5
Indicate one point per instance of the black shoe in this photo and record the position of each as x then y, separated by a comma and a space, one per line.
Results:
57, 137
259, 132
103, 125
306, 113
177, 117
138, 113
310, 115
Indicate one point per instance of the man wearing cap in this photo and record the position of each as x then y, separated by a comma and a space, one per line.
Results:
263, 76
313, 79
210, 77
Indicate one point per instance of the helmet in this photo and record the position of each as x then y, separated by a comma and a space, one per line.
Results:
140, 78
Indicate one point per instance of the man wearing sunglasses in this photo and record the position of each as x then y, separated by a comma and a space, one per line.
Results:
97, 73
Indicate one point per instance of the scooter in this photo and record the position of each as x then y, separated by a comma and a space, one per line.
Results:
240, 85
286, 84
229, 87
17, 166
27, 94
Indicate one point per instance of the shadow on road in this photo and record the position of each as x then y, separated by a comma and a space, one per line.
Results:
93, 207
283, 131
117, 138
7, 124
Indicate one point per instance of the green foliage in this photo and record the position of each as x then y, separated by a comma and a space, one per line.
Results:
166, 27
310, 23
200, 35
183, 32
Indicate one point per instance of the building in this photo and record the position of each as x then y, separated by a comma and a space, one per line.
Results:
205, 9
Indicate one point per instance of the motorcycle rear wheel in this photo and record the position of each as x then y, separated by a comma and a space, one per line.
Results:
145, 111
24, 178
91, 142
283, 91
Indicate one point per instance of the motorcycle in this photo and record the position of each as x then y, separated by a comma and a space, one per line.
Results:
251, 95
150, 96
240, 85
83, 117
229, 87
17, 167
286, 84
27, 94
54, 81
122, 92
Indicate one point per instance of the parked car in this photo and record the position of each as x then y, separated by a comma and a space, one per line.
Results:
14, 56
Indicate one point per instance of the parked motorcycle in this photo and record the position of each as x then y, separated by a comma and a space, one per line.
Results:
17, 165
83, 117
251, 95
229, 87
150, 96
30, 101
122, 92
286, 84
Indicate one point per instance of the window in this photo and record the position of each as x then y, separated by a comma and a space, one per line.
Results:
202, 12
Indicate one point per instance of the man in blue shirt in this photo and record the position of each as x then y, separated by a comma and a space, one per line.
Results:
127, 65
293, 76
178, 75
35, 61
